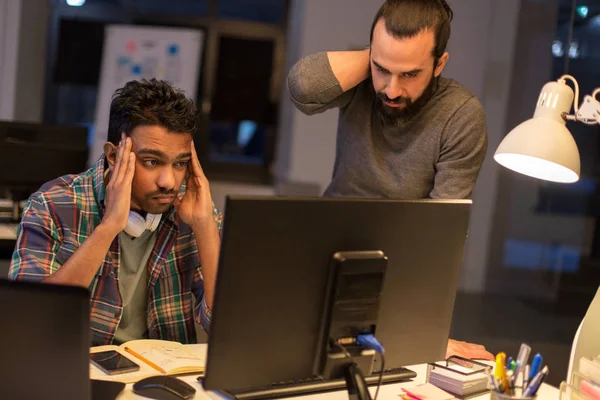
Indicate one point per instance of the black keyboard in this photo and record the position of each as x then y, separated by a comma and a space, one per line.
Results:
317, 385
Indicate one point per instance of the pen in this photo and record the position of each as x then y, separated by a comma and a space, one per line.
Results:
510, 378
492, 381
536, 364
535, 383
519, 384
513, 365
509, 361
522, 358
526, 377
144, 359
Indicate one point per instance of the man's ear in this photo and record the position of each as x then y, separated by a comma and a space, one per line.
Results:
110, 151
443, 60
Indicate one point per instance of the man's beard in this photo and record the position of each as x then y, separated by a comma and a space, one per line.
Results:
396, 117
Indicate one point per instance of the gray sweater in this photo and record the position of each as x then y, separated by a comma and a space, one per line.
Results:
437, 154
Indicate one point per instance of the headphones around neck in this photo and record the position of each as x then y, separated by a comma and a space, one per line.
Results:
136, 224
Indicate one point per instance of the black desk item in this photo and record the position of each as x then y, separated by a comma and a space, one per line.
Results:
164, 388
45, 338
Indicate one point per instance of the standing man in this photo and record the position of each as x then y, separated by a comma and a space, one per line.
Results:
404, 131
145, 244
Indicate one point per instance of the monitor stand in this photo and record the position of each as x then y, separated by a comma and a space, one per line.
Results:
353, 295
355, 383
338, 367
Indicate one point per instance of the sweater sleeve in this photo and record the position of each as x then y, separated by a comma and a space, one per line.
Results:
462, 150
313, 86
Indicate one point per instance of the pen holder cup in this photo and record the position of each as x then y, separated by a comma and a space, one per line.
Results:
502, 396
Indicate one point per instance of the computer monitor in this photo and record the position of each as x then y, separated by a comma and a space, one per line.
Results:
45, 339
32, 154
274, 269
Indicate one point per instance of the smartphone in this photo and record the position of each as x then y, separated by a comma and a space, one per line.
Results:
112, 362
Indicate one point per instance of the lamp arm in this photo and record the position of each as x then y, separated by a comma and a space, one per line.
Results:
572, 79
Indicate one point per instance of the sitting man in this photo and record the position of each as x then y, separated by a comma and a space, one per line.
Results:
129, 229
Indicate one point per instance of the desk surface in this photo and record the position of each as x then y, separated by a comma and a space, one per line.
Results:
390, 391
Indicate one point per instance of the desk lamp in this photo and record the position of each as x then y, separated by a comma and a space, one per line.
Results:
543, 147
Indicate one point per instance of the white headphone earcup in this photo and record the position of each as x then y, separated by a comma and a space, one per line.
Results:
152, 221
136, 224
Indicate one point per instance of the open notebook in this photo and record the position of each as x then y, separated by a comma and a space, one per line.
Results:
155, 357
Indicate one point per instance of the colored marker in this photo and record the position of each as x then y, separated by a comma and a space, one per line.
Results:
535, 383
500, 370
536, 365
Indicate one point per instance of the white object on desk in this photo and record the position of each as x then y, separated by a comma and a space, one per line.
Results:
8, 231
585, 343
390, 391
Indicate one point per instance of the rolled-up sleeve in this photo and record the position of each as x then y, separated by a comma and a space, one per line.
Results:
202, 312
313, 86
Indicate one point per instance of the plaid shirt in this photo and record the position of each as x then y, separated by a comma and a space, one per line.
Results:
63, 214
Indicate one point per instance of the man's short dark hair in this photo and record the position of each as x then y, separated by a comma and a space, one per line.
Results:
150, 102
407, 18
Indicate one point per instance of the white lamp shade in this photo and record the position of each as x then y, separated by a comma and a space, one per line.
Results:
542, 148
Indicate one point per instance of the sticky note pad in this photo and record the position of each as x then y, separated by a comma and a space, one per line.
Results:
428, 392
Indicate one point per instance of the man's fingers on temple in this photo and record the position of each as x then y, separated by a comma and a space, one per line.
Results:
131, 167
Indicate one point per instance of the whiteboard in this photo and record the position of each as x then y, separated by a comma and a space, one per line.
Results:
133, 52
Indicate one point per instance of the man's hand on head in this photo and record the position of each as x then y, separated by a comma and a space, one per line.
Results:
468, 350
196, 206
118, 188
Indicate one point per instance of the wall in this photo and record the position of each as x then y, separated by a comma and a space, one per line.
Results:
481, 48
23, 31
29, 98
10, 11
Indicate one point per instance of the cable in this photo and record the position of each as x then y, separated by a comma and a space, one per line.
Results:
369, 341
380, 375
595, 94
341, 347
